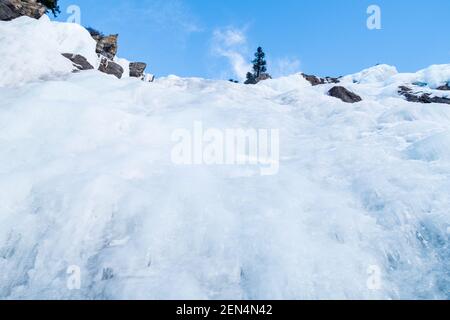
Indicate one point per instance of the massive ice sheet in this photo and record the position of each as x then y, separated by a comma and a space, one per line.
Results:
86, 180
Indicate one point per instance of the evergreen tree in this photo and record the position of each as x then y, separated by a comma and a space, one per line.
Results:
51, 5
259, 63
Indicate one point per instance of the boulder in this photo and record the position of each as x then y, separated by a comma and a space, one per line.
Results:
11, 9
315, 81
106, 45
344, 94
78, 61
137, 69
110, 67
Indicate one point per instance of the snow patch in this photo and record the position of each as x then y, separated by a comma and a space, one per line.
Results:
31, 49
436, 147
379, 73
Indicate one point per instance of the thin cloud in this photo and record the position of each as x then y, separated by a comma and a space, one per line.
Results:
285, 66
231, 43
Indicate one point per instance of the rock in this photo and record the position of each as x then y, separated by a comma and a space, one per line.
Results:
443, 100
446, 87
344, 94
315, 81
137, 69
11, 9
252, 79
407, 93
404, 89
110, 67
78, 61
263, 77
331, 80
420, 97
6, 13
106, 45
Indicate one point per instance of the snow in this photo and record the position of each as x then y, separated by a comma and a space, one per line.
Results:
379, 73
31, 49
86, 180
125, 64
433, 148
435, 76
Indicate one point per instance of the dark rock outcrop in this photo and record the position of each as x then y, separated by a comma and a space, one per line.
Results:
106, 49
78, 61
446, 87
315, 81
110, 67
137, 69
263, 77
250, 79
11, 9
253, 79
106, 45
344, 94
420, 97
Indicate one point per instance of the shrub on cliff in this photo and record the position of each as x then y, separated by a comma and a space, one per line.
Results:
94, 32
51, 5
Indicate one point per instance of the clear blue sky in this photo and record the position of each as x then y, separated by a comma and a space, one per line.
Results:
207, 38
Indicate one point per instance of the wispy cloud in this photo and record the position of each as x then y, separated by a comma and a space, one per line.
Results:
285, 66
231, 43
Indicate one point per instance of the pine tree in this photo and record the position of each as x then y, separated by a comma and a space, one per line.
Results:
259, 63
51, 5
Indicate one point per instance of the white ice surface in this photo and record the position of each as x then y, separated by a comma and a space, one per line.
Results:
86, 179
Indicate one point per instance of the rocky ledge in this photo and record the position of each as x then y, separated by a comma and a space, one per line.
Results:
11, 9
79, 62
315, 81
421, 97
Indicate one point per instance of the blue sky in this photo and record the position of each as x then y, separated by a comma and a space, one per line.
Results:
216, 38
